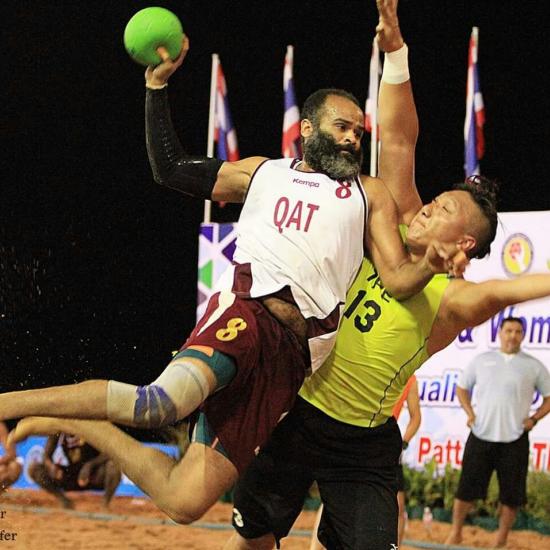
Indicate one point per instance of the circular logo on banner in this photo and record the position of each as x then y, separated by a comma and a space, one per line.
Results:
517, 254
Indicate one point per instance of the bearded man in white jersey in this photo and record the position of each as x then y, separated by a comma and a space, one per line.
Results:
302, 233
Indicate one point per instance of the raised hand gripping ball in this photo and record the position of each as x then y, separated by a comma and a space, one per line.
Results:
147, 30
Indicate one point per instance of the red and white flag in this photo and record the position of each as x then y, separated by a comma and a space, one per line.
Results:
291, 146
225, 135
474, 141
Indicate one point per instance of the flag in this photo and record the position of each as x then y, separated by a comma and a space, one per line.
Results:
225, 135
474, 143
371, 107
291, 146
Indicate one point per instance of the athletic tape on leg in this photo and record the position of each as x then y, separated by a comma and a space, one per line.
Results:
175, 394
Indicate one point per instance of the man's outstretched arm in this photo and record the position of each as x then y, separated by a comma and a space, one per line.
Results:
467, 304
200, 177
397, 117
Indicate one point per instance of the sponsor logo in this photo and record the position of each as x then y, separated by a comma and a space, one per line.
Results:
517, 254
306, 182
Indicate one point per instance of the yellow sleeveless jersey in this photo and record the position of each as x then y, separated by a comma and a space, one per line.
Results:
380, 343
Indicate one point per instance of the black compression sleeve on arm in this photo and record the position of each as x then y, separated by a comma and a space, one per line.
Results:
171, 166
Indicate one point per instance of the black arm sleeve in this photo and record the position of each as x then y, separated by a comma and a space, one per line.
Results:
171, 166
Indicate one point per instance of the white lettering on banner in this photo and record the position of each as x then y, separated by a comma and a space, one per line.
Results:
439, 390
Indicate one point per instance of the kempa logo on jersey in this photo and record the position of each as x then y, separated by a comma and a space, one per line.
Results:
517, 254
306, 182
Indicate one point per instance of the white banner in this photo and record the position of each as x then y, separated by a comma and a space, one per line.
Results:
522, 245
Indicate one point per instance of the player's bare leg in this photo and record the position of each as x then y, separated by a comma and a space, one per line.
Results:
460, 511
183, 489
71, 401
43, 478
506, 519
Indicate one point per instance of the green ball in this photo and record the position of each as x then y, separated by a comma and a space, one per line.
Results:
147, 30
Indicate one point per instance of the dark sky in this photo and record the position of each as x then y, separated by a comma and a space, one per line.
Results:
98, 264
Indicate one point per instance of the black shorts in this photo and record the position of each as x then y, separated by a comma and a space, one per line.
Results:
354, 468
481, 458
400, 477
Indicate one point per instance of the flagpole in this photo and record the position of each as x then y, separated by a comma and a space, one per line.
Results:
374, 119
211, 126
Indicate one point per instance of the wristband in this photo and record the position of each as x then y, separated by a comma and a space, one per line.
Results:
405, 445
396, 66
156, 86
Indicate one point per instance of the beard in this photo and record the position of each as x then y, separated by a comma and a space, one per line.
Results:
323, 154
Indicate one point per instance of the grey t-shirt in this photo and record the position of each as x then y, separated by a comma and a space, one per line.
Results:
504, 388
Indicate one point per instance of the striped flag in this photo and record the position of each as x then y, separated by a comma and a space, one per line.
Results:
225, 135
291, 146
371, 107
474, 142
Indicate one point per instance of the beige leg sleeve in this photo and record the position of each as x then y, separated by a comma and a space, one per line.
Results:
175, 394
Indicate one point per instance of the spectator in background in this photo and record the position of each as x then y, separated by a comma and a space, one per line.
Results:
505, 382
410, 394
10, 467
86, 469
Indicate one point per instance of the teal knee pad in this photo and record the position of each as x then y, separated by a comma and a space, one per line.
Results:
222, 365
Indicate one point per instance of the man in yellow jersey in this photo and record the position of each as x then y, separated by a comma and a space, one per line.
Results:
341, 431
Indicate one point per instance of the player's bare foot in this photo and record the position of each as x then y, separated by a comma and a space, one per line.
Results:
35, 425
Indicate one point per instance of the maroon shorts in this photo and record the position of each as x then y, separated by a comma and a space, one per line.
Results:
271, 367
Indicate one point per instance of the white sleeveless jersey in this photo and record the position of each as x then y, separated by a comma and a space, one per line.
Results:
304, 231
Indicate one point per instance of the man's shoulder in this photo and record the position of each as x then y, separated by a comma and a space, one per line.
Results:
527, 357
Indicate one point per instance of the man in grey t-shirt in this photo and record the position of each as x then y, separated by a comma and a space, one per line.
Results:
505, 382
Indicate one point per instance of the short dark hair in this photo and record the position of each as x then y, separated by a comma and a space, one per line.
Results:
313, 105
484, 193
511, 319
